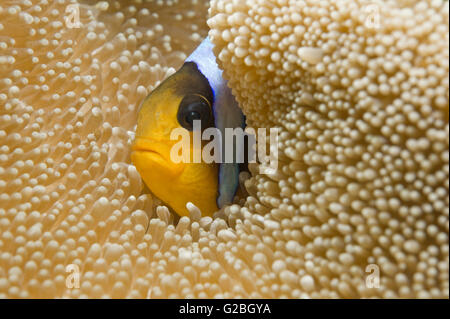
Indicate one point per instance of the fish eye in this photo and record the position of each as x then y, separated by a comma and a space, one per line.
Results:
194, 107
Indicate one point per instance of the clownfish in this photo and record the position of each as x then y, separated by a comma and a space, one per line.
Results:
196, 91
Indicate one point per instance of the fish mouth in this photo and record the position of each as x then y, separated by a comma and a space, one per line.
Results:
142, 144
155, 155
145, 150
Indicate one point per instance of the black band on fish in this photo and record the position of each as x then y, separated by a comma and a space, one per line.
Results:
192, 81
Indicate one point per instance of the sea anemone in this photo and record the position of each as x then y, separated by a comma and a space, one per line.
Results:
358, 90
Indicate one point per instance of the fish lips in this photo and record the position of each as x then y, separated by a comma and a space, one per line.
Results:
154, 154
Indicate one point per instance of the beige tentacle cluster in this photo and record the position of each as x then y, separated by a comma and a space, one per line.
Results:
359, 90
